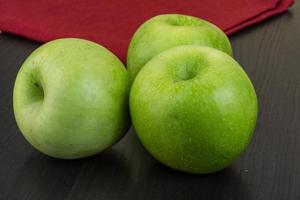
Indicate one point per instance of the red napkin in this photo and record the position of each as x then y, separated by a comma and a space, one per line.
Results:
113, 22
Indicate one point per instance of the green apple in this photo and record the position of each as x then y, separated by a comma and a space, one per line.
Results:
165, 31
71, 98
193, 108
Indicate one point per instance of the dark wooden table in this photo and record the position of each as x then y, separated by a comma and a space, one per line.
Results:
268, 170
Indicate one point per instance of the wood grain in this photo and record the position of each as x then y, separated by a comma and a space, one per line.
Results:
269, 169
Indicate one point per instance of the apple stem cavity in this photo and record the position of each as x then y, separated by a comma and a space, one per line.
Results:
37, 91
187, 71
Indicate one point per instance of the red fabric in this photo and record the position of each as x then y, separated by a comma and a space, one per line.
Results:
113, 22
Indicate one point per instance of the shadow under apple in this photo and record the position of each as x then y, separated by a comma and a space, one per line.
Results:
153, 180
45, 178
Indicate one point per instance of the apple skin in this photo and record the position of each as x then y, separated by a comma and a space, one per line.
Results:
170, 30
71, 98
193, 108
